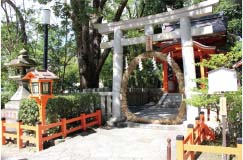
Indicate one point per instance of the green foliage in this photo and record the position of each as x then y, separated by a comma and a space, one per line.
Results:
5, 98
62, 106
224, 60
29, 112
146, 78
234, 105
70, 106
233, 11
106, 72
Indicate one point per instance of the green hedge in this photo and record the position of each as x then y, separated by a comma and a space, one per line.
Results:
29, 112
62, 106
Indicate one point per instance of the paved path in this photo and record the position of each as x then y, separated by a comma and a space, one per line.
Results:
113, 144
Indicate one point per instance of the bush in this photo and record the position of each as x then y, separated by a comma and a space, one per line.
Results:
28, 112
4, 99
62, 106
70, 106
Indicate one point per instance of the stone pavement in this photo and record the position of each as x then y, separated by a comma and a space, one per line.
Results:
113, 144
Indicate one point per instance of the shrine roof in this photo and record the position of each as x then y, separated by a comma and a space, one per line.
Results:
218, 21
175, 48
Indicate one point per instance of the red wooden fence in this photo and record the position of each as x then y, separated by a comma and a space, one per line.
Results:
39, 129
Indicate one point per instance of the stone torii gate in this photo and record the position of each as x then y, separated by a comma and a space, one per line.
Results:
185, 33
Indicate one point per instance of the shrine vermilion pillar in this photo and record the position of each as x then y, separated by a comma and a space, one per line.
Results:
202, 70
165, 76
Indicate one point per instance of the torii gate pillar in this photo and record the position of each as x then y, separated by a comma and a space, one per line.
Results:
188, 64
117, 74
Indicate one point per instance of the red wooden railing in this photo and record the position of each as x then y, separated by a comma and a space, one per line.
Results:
186, 147
39, 129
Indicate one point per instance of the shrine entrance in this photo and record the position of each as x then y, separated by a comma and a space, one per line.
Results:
132, 66
173, 50
184, 26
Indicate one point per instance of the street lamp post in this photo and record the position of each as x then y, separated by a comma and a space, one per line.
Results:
45, 22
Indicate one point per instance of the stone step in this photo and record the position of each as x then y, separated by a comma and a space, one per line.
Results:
180, 127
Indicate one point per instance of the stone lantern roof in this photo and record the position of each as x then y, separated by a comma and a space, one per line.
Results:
23, 60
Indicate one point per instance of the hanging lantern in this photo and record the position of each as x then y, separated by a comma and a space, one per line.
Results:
140, 64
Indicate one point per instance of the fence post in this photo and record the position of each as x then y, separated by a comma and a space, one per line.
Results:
168, 149
190, 131
202, 134
64, 127
3, 121
208, 114
239, 147
19, 134
99, 117
197, 121
201, 115
179, 147
39, 143
83, 121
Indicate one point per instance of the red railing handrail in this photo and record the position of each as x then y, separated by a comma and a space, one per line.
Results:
39, 129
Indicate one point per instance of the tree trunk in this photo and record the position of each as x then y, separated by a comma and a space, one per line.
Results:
90, 60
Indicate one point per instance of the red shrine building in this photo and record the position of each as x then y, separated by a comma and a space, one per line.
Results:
203, 46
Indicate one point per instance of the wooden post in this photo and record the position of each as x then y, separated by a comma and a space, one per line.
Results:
197, 134
165, 78
217, 111
239, 147
83, 121
99, 117
168, 149
208, 114
202, 71
149, 31
39, 136
3, 121
64, 127
201, 115
19, 134
202, 134
179, 147
190, 131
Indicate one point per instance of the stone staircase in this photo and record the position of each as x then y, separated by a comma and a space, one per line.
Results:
170, 100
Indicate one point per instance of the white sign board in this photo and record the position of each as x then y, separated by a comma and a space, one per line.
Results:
222, 80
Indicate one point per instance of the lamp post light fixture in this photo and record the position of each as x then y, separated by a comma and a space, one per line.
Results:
45, 21
41, 83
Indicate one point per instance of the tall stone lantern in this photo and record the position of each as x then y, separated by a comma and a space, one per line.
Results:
17, 70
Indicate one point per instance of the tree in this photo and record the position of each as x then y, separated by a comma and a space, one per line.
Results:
232, 9
83, 14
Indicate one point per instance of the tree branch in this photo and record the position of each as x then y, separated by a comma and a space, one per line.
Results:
21, 20
107, 51
120, 10
5, 11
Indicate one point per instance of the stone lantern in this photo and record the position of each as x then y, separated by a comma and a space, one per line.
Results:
40, 83
17, 69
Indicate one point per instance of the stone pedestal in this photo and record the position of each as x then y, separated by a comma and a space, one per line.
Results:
11, 110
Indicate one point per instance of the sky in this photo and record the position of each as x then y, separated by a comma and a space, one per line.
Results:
34, 5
